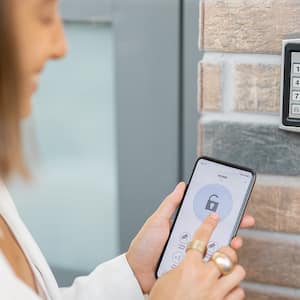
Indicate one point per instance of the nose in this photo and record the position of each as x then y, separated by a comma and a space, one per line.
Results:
59, 42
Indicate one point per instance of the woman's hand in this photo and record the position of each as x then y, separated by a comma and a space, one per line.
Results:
194, 279
146, 248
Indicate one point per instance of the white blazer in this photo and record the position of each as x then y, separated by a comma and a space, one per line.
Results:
111, 280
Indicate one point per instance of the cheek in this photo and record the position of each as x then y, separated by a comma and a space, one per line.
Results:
29, 59
31, 44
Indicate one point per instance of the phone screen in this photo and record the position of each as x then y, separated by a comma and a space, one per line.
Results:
214, 187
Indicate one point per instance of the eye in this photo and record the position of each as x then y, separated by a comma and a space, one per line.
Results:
47, 19
48, 13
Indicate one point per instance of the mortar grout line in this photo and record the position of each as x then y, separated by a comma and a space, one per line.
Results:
241, 58
263, 288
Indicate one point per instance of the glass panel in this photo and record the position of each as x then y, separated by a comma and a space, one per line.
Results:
71, 204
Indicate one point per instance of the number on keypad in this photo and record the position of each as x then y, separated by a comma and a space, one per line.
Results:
296, 82
296, 109
296, 96
297, 68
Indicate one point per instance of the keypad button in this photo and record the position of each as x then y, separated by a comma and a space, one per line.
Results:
296, 96
296, 82
297, 68
296, 109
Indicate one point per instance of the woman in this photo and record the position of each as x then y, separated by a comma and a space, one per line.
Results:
32, 33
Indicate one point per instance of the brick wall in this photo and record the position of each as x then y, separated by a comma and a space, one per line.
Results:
239, 84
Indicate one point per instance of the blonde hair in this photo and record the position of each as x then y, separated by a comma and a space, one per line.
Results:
11, 154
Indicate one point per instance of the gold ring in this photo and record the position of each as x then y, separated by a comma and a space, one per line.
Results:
223, 262
197, 245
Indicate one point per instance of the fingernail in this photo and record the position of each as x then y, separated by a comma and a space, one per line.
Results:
176, 187
214, 216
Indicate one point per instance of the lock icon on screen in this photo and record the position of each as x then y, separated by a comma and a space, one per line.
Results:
212, 204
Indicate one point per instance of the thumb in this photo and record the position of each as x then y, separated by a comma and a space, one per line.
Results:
171, 202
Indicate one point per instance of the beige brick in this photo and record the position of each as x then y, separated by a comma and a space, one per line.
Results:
257, 87
271, 260
209, 87
262, 295
252, 26
277, 207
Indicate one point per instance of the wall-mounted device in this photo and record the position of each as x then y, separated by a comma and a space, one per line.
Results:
290, 86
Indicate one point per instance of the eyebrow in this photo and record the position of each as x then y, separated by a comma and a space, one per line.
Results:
47, 1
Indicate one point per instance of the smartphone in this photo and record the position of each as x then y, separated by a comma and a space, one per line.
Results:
214, 186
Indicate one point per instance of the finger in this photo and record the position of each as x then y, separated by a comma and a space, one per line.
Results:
171, 202
237, 294
230, 253
231, 281
207, 228
204, 233
247, 221
237, 243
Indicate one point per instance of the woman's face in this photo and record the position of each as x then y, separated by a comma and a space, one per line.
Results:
40, 37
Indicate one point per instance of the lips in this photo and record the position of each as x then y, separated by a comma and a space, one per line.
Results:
35, 82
